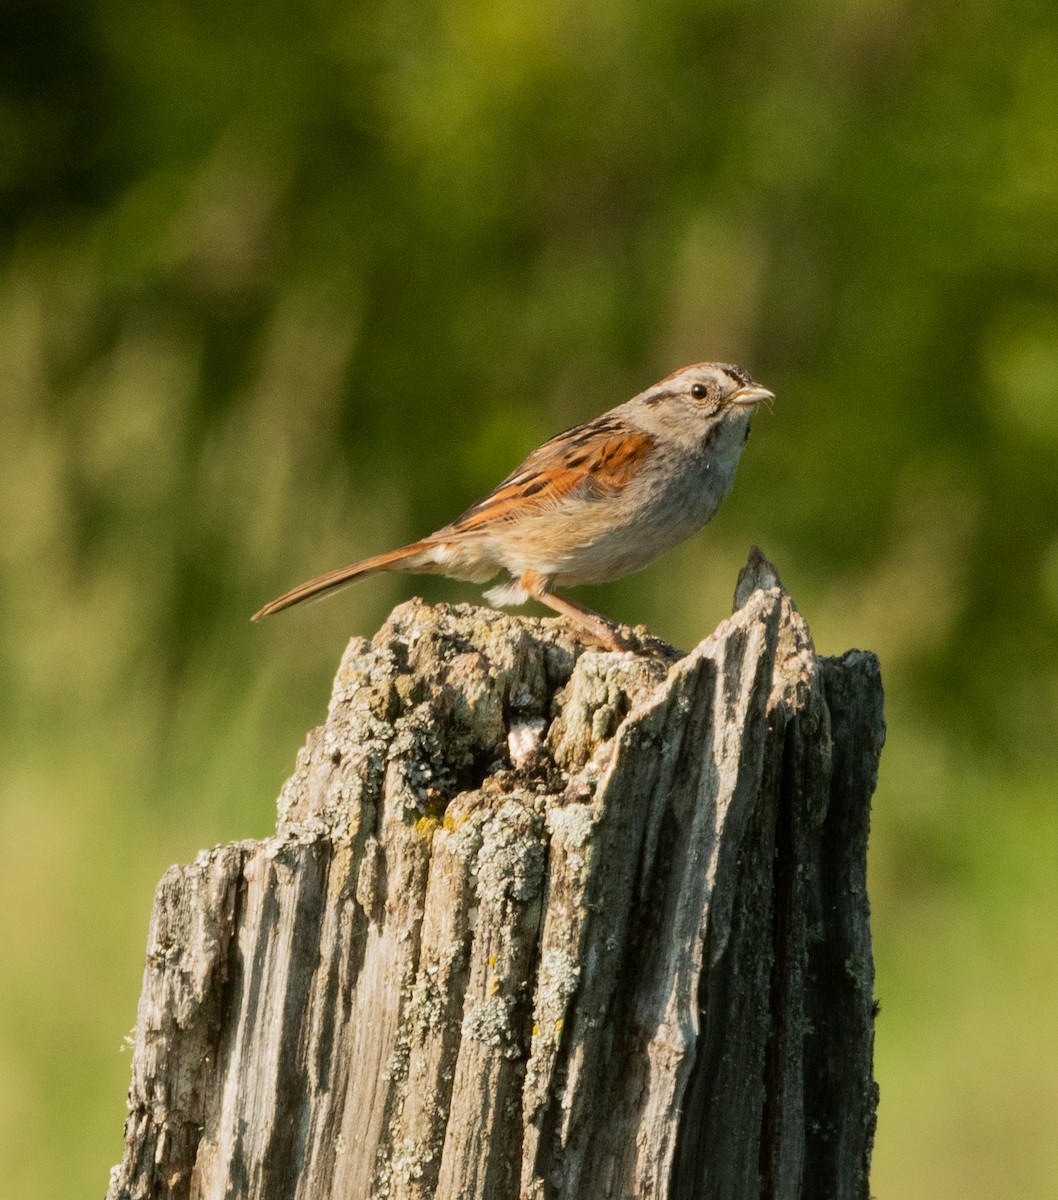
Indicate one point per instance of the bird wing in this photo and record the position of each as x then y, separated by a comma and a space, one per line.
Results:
598, 458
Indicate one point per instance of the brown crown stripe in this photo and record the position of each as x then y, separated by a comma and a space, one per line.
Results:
730, 370
692, 367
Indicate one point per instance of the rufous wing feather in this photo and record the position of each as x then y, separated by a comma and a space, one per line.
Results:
415, 557
596, 459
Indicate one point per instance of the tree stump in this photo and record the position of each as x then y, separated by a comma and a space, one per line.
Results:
537, 921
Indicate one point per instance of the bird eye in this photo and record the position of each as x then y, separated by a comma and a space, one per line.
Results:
699, 391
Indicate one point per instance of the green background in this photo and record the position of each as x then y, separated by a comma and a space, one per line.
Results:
285, 285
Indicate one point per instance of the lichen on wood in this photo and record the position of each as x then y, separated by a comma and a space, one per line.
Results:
537, 920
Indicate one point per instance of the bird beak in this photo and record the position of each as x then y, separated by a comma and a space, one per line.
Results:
751, 395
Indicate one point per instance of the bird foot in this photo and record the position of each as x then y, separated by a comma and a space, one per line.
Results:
623, 639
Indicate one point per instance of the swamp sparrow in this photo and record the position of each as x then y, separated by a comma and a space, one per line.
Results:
592, 504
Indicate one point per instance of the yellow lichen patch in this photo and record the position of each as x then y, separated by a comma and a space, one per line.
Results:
427, 826
453, 821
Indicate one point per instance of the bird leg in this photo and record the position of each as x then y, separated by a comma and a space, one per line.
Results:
602, 630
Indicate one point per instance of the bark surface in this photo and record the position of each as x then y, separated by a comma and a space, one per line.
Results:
537, 921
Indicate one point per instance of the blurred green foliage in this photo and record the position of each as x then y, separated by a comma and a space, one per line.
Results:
284, 285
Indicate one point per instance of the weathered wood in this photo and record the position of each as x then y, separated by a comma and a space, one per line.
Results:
537, 921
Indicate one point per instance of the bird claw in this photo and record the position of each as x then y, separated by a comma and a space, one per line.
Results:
623, 639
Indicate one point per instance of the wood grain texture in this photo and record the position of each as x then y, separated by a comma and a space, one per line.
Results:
537, 921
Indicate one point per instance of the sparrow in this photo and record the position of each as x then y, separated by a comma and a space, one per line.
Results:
593, 504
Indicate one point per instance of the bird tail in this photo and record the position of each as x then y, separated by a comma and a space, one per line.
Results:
416, 557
